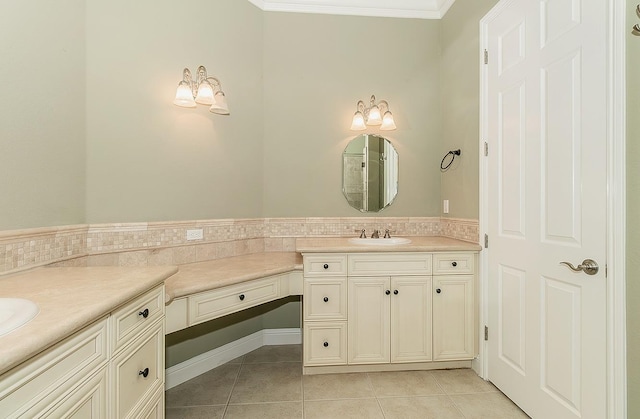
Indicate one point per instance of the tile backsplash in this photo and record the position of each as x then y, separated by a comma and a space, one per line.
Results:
162, 243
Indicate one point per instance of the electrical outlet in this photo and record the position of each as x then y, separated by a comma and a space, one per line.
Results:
195, 234
445, 206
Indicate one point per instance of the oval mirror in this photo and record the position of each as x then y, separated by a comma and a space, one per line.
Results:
370, 173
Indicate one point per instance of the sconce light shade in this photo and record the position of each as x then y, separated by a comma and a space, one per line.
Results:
205, 90
388, 123
219, 104
358, 122
205, 94
184, 96
372, 116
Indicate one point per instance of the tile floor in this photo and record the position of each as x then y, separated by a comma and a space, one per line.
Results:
268, 383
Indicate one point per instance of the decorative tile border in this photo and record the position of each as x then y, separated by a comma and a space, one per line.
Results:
162, 243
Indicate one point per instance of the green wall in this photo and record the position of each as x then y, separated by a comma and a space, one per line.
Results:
461, 105
633, 209
42, 113
316, 68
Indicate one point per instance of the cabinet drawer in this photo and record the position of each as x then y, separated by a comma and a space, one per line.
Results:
325, 343
213, 304
328, 264
325, 299
138, 372
129, 320
87, 401
386, 264
45, 378
454, 263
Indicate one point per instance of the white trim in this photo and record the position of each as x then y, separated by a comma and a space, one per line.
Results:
414, 9
616, 216
207, 361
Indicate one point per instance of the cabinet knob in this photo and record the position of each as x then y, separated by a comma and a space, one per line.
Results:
395, 292
144, 313
144, 372
326, 266
387, 292
438, 290
241, 297
326, 299
454, 263
326, 344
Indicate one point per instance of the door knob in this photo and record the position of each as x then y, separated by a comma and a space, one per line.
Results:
588, 266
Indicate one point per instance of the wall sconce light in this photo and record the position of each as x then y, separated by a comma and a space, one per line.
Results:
204, 90
375, 114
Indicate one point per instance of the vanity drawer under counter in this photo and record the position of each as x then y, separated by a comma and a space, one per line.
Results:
454, 263
325, 264
138, 372
325, 299
388, 264
131, 319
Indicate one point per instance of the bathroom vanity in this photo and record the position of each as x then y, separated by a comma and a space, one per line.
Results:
370, 307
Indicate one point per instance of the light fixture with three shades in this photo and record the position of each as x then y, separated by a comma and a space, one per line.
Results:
205, 90
375, 114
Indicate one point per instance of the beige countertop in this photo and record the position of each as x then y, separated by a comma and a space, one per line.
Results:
418, 244
204, 276
69, 299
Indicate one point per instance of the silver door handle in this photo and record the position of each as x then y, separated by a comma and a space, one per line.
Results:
588, 266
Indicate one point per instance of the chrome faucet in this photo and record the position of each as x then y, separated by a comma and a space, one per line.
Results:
375, 235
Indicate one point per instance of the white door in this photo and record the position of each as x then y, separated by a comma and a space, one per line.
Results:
544, 117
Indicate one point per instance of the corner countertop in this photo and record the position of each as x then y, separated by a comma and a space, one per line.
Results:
204, 276
418, 244
69, 299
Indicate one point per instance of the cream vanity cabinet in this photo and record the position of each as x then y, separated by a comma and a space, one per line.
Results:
387, 307
113, 368
454, 306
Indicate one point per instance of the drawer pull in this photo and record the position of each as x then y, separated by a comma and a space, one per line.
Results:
438, 290
144, 372
326, 299
241, 297
454, 264
395, 292
387, 292
326, 344
144, 313
326, 266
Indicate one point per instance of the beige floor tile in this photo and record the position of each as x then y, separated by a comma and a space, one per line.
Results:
287, 410
487, 405
211, 388
462, 381
426, 407
337, 386
197, 412
273, 382
343, 409
275, 353
404, 383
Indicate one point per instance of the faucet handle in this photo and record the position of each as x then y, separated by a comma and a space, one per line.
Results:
363, 234
387, 234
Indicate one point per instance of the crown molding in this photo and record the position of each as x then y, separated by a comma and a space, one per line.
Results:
415, 9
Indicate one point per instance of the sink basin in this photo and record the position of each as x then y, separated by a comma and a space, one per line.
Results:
381, 242
15, 312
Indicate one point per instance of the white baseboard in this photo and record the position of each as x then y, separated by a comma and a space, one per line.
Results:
202, 363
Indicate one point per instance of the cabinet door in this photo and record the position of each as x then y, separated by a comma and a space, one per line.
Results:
453, 317
368, 325
410, 319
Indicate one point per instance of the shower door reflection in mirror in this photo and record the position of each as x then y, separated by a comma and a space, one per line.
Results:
370, 173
